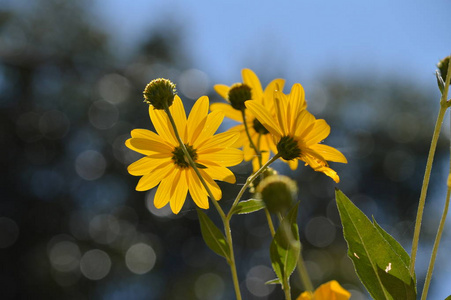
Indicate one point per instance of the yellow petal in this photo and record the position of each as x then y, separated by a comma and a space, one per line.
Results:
163, 194
293, 164
197, 118
283, 115
220, 173
196, 190
179, 191
145, 152
221, 140
162, 125
222, 90
264, 117
297, 97
146, 165
228, 110
150, 145
303, 124
212, 123
329, 153
213, 186
226, 157
146, 134
252, 80
178, 113
332, 290
318, 132
275, 85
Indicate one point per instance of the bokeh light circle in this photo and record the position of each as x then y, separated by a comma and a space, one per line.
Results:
140, 258
95, 264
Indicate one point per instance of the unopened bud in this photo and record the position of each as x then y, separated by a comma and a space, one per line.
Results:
279, 192
160, 93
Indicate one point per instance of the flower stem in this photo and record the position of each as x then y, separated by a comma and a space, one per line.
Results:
251, 142
427, 174
225, 221
249, 180
436, 244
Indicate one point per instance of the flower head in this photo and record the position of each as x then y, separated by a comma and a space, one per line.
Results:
232, 110
296, 132
159, 93
165, 163
331, 290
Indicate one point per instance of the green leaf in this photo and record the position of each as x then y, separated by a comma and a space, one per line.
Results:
248, 206
213, 237
379, 260
285, 247
448, 298
274, 281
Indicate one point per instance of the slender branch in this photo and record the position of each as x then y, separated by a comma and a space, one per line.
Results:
442, 219
443, 106
249, 180
251, 142
225, 221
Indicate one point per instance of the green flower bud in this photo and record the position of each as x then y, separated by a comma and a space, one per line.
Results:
279, 192
288, 148
443, 67
160, 93
238, 94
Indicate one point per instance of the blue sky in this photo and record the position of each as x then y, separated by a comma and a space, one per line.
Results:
300, 40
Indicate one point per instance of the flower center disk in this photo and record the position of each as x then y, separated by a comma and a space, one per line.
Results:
288, 148
259, 127
238, 94
179, 157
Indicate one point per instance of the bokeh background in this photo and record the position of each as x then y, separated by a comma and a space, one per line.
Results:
71, 79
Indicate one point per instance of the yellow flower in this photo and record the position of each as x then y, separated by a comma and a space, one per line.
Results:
166, 165
297, 133
327, 291
259, 135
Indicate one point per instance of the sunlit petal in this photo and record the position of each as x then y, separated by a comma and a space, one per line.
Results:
150, 145
196, 190
197, 118
220, 173
222, 90
179, 192
228, 110
318, 132
252, 80
211, 125
162, 125
146, 165
225, 157
178, 113
329, 153
213, 186
221, 140
264, 117
163, 194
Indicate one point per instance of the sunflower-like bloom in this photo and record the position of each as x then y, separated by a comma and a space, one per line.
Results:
331, 290
297, 133
258, 133
165, 163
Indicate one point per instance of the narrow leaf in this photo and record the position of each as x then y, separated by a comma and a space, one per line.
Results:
377, 257
274, 281
213, 237
248, 206
285, 247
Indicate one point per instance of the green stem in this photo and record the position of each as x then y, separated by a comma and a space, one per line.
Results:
270, 223
225, 221
444, 214
249, 180
436, 244
251, 142
427, 173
